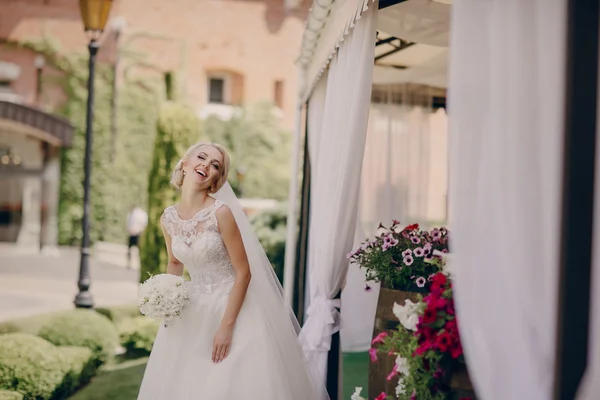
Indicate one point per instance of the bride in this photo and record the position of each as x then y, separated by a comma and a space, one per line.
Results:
236, 339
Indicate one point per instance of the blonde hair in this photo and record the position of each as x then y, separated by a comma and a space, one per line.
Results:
177, 176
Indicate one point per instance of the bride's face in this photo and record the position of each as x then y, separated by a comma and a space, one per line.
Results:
203, 169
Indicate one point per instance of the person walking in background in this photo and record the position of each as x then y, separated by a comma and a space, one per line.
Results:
137, 220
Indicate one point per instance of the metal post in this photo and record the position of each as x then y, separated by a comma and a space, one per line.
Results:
581, 85
84, 298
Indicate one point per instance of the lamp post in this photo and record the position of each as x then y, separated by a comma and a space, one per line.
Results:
94, 14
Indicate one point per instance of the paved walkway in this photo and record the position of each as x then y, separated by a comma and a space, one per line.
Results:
32, 283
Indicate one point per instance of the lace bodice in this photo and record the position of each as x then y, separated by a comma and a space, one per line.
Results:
197, 243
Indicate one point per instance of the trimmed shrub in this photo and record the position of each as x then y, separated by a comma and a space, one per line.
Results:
84, 328
177, 129
29, 325
10, 395
119, 313
137, 335
79, 366
30, 365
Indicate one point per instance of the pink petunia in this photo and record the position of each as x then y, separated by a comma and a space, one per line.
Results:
421, 281
394, 372
415, 239
379, 338
408, 260
407, 252
373, 354
419, 252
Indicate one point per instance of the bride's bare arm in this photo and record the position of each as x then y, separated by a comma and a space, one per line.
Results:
174, 266
239, 260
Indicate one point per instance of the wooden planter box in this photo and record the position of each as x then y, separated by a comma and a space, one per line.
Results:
385, 320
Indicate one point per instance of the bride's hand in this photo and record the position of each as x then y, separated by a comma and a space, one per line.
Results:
221, 344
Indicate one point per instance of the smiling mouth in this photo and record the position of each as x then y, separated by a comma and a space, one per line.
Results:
201, 173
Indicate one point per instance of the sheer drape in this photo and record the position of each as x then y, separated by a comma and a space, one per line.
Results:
335, 184
506, 123
404, 177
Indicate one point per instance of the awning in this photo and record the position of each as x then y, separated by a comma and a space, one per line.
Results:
422, 25
46, 127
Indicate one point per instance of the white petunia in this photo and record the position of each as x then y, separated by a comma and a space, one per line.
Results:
356, 395
402, 364
407, 314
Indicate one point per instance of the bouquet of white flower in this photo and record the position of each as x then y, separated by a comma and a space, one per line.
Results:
163, 297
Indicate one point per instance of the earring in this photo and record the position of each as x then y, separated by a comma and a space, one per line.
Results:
183, 173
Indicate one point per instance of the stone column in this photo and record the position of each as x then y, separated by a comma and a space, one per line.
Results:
50, 190
29, 235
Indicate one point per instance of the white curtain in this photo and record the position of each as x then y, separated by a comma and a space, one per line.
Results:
335, 185
404, 177
506, 123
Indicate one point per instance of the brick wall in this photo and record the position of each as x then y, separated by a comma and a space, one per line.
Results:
257, 41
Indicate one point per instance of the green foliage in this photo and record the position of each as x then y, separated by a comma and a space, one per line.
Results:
137, 335
176, 130
119, 314
270, 227
119, 168
10, 395
84, 328
258, 147
30, 365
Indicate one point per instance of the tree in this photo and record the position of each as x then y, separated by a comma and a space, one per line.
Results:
176, 130
259, 148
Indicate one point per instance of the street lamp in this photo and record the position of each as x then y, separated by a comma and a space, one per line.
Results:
94, 14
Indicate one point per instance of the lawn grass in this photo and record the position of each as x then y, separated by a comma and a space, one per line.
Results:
122, 380
116, 382
356, 373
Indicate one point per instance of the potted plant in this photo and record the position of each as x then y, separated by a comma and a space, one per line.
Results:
403, 260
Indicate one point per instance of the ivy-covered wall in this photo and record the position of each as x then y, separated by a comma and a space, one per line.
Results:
119, 171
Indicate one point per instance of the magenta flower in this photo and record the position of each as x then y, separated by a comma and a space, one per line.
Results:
419, 252
373, 354
421, 281
382, 396
379, 338
408, 260
394, 372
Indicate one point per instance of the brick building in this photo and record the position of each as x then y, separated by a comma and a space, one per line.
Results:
223, 53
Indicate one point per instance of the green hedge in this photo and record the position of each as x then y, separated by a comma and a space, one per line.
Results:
29, 325
118, 314
30, 365
79, 367
137, 335
84, 328
10, 395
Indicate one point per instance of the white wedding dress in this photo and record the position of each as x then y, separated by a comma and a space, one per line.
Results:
262, 364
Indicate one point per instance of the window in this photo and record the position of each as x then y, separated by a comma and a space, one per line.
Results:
216, 90
278, 95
